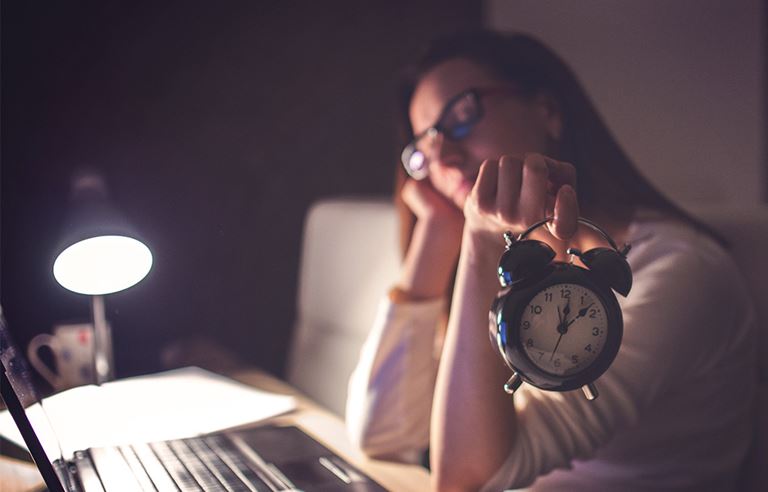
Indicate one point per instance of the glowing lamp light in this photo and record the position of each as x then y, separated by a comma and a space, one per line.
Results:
98, 255
102, 265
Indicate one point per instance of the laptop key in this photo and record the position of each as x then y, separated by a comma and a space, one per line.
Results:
196, 468
156, 471
255, 480
138, 471
220, 470
86, 473
175, 468
114, 472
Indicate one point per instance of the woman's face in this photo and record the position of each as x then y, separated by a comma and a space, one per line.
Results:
510, 125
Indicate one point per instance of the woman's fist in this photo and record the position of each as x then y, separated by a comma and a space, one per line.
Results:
512, 193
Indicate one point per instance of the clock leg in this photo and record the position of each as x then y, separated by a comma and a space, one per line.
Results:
514, 382
590, 391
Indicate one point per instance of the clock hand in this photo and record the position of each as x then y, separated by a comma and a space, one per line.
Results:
582, 313
562, 327
560, 322
556, 345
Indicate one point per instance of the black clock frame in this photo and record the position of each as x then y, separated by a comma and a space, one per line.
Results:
507, 312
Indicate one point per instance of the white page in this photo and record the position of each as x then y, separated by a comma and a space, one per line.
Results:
170, 405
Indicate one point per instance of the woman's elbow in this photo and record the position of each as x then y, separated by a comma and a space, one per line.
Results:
383, 438
373, 446
455, 482
360, 437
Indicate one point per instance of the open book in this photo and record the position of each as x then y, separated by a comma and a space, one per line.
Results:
169, 405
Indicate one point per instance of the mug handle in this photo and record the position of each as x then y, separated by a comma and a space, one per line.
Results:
40, 341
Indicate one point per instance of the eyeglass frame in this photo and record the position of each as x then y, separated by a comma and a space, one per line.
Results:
439, 129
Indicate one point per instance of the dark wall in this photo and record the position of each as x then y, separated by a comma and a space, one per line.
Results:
215, 124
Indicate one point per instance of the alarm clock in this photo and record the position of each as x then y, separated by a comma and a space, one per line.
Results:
557, 325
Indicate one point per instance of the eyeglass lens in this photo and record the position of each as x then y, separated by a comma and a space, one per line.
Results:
455, 123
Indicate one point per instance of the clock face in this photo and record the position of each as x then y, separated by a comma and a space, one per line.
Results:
563, 329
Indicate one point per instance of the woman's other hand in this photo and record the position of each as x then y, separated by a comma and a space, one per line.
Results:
431, 257
427, 204
512, 193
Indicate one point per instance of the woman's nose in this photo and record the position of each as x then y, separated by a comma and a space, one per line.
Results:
445, 152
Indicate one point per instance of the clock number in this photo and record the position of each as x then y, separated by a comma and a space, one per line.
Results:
565, 293
582, 300
540, 354
575, 359
529, 342
557, 362
588, 348
535, 309
548, 296
592, 313
595, 331
526, 325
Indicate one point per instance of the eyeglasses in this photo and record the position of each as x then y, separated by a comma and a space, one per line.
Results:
456, 121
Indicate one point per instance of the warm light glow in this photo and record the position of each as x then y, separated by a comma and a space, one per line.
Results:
102, 265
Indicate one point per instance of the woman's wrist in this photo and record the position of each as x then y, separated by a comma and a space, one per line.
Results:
481, 248
398, 295
431, 258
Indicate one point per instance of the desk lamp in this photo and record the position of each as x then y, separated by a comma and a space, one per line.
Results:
99, 254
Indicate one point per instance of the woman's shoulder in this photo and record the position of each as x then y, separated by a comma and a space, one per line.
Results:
657, 237
670, 255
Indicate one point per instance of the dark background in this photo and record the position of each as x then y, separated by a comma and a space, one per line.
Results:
216, 124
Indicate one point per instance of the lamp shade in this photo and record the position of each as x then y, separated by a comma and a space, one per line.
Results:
100, 252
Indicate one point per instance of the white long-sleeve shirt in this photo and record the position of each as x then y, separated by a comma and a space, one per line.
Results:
675, 410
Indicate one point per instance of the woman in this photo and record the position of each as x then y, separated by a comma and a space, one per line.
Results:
501, 136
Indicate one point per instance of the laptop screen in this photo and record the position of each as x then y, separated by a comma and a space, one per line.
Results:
22, 384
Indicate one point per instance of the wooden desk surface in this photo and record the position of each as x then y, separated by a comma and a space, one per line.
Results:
326, 427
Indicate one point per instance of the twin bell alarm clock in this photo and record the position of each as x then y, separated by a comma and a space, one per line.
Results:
558, 325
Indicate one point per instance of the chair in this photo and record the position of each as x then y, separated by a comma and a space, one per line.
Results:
349, 260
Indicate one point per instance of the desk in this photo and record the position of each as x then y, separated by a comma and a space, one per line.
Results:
16, 476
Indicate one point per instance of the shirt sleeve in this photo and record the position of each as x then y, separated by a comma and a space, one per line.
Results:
675, 325
390, 390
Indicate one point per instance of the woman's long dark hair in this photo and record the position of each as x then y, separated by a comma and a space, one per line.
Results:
608, 182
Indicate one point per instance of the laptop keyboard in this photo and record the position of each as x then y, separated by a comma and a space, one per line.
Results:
209, 463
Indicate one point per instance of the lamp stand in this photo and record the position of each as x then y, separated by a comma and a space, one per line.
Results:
102, 342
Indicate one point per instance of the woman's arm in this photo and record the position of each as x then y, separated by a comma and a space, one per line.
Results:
390, 391
473, 420
389, 396
434, 246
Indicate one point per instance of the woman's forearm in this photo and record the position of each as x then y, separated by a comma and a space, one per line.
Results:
428, 264
473, 419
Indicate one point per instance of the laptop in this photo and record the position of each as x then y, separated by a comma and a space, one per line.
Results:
268, 458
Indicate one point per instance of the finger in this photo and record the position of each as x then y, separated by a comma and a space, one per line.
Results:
533, 192
560, 173
508, 188
484, 190
566, 213
412, 194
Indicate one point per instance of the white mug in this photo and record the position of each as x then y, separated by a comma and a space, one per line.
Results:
73, 354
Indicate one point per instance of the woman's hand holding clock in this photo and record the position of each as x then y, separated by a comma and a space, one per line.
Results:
512, 193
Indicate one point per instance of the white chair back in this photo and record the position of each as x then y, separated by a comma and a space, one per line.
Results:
349, 260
